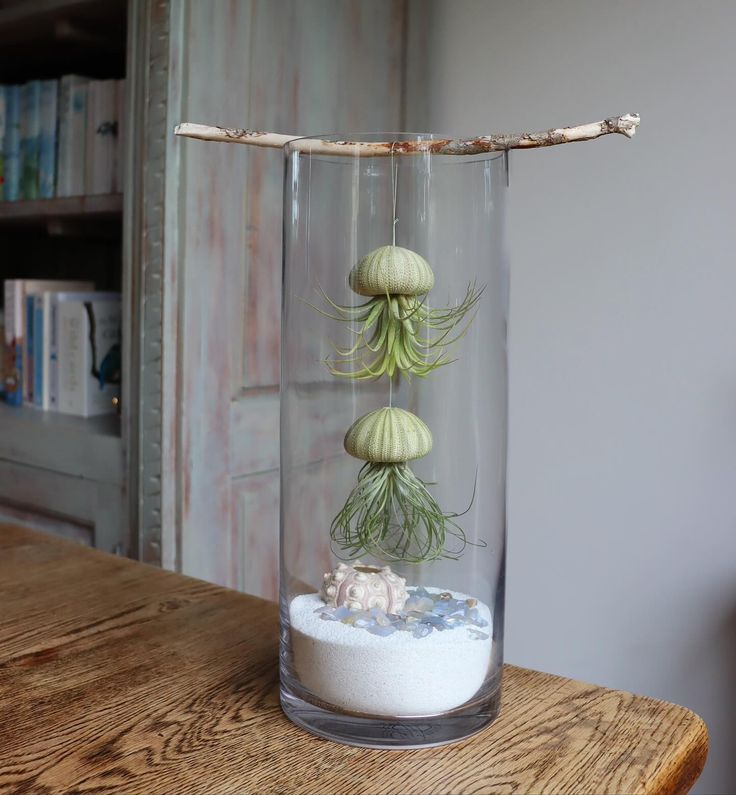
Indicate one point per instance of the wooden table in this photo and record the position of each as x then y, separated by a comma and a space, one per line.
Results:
116, 677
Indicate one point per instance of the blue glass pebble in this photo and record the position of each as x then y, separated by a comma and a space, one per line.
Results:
423, 613
377, 629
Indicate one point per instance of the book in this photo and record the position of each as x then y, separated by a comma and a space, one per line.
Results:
120, 96
88, 353
30, 126
72, 134
47, 395
102, 135
33, 344
48, 139
11, 144
3, 116
37, 380
13, 337
15, 291
28, 362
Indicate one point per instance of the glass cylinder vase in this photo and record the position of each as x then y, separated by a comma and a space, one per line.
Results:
393, 440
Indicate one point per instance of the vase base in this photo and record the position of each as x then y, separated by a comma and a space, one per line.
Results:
392, 733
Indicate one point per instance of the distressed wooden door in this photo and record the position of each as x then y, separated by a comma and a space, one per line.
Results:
285, 65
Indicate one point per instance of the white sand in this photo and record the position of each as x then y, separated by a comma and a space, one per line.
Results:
397, 675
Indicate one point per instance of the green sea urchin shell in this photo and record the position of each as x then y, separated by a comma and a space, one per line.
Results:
388, 435
392, 270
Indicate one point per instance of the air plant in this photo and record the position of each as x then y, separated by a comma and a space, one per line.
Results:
390, 513
395, 330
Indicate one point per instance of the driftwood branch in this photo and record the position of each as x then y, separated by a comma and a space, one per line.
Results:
620, 125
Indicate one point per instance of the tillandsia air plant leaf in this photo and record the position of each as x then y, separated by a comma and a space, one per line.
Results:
399, 333
391, 515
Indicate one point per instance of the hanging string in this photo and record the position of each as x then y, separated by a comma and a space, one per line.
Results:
394, 221
394, 189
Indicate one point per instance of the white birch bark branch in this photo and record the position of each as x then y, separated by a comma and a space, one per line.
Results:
619, 125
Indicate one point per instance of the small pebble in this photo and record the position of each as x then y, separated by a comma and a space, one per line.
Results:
377, 629
423, 613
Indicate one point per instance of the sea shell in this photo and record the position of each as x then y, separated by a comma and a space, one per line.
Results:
388, 435
392, 270
360, 587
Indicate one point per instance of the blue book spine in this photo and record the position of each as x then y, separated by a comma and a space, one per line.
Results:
38, 351
11, 145
28, 367
48, 135
30, 124
3, 122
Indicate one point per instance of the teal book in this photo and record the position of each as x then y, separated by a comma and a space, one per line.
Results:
11, 143
3, 118
28, 354
48, 139
30, 126
38, 352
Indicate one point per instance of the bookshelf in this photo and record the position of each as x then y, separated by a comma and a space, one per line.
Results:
67, 466
83, 448
195, 251
78, 208
57, 36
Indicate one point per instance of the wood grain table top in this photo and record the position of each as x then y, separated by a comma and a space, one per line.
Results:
116, 677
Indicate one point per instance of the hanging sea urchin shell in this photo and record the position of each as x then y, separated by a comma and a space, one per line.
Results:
388, 435
360, 587
392, 270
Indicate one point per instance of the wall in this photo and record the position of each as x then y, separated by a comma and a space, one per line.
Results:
622, 480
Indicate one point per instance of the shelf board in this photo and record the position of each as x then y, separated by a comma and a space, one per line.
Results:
88, 448
70, 208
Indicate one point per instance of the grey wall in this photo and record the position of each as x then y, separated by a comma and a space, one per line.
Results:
622, 480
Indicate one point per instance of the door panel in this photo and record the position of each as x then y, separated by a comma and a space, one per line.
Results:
256, 505
290, 66
316, 67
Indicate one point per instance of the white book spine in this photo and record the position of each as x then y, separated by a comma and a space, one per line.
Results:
120, 147
71, 359
45, 348
72, 134
87, 333
52, 357
12, 289
101, 137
